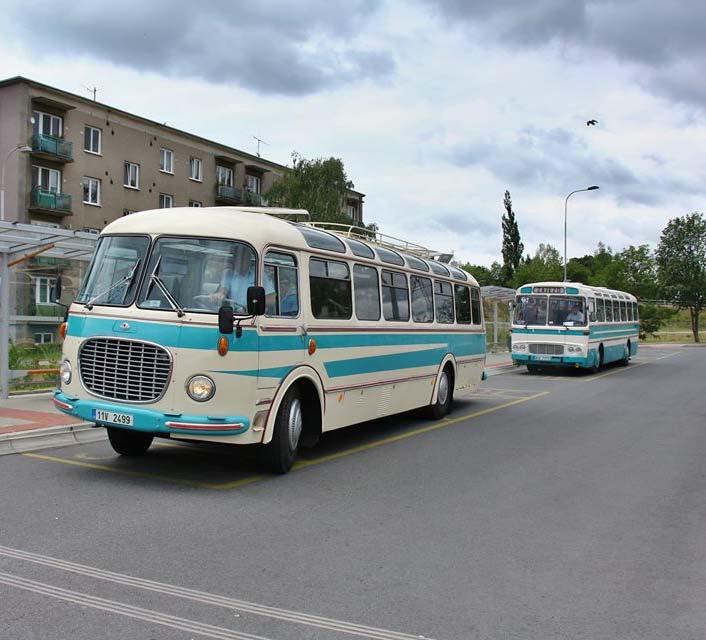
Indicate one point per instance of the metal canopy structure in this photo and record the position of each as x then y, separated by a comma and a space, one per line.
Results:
495, 295
20, 242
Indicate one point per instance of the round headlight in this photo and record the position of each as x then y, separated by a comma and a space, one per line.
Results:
570, 349
200, 388
65, 371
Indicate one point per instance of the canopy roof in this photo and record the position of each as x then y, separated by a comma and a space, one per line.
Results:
18, 240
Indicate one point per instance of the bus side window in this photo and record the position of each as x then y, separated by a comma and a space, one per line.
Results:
623, 311
281, 285
592, 309
395, 296
366, 289
636, 310
330, 289
463, 304
444, 302
600, 309
476, 306
631, 317
422, 299
609, 311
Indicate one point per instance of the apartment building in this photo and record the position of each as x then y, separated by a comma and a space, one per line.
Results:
83, 164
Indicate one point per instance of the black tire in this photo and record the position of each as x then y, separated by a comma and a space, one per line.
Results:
533, 368
626, 360
281, 452
444, 396
129, 443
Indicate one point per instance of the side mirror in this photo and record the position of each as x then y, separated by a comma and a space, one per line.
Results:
225, 319
55, 292
256, 301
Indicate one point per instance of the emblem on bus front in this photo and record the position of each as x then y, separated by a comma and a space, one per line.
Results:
124, 326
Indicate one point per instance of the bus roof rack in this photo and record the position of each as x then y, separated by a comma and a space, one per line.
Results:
382, 239
277, 212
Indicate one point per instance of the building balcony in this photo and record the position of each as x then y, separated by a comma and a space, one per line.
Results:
43, 201
51, 148
228, 195
254, 199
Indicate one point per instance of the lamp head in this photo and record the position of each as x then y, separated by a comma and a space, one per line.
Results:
593, 188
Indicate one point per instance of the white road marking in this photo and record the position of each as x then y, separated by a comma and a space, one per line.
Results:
208, 598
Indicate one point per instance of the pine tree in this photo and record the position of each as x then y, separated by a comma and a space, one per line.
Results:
512, 245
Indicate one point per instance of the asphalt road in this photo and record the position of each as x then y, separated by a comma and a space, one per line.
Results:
562, 506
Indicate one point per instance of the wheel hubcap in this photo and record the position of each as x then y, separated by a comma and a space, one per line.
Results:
443, 388
294, 423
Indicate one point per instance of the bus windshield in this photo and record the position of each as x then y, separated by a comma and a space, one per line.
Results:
115, 271
531, 310
566, 310
198, 274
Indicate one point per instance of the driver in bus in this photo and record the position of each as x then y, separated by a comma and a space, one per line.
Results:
236, 280
575, 314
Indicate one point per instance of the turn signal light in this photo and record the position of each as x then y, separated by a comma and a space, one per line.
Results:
62, 329
312, 346
222, 346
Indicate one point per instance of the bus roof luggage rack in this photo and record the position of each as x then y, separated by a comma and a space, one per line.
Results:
279, 212
382, 239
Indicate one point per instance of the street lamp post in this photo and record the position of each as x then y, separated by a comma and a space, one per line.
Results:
22, 148
566, 204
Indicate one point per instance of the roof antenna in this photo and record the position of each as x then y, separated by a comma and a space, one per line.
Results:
259, 140
93, 90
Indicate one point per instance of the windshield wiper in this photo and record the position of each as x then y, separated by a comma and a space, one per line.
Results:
163, 288
128, 278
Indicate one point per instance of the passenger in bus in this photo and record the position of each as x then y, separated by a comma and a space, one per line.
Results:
235, 282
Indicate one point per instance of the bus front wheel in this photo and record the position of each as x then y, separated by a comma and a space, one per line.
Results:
444, 395
281, 452
129, 443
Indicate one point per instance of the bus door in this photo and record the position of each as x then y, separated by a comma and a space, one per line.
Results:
282, 339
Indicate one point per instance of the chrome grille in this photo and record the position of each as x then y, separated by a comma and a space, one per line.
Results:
546, 349
127, 370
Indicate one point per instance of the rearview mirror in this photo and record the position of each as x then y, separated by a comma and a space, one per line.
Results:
55, 291
256, 301
225, 319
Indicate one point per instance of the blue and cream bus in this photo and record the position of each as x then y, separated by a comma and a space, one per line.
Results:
572, 324
238, 325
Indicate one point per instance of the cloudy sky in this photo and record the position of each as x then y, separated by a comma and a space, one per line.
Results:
435, 106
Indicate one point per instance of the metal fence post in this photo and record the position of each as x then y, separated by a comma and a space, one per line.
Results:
495, 322
4, 326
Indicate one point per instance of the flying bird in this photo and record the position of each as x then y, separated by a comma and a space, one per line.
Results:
590, 122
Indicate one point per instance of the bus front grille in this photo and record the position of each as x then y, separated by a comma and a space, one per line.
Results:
128, 370
546, 349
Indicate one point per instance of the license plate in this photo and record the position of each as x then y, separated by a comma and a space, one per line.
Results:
112, 417
542, 357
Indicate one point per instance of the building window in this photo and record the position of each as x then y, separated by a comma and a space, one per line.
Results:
43, 338
131, 175
352, 211
46, 179
92, 140
166, 161
91, 191
195, 169
127, 212
224, 176
194, 203
47, 124
254, 183
41, 223
166, 201
42, 290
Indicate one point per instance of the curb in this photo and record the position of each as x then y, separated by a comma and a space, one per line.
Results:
497, 369
50, 437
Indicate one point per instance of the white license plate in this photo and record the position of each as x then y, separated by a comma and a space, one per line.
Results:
542, 357
112, 417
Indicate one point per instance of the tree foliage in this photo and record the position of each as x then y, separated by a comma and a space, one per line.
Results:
546, 265
512, 248
681, 262
318, 185
484, 275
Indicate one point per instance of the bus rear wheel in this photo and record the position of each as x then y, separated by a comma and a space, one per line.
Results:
533, 368
129, 443
626, 357
280, 453
444, 395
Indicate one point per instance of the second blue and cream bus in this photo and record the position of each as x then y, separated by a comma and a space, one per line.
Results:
572, 324
230, 325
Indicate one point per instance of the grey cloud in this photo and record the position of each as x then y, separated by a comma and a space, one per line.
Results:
663, 39
559, 161
270, 47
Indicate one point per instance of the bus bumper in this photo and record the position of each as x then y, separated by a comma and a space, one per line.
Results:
150, 421
565, 361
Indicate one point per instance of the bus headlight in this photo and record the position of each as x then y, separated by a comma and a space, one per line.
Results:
65, 371
574, 348
200, 388
519, 346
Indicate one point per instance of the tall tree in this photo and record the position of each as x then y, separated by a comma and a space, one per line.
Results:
317, 185
681, 264
545, 266
512, 245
